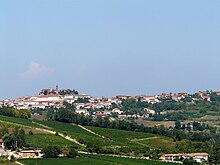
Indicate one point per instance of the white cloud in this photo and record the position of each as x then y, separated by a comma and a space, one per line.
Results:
36, 70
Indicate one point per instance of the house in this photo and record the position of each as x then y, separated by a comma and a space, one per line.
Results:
1, 144
1, 103
199, 157
150, 111
100, 114
30, 154
123, 97
117, 110
208, 98
83, 111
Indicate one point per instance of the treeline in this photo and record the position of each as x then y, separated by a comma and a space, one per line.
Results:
168, 105
20, 113
57, 151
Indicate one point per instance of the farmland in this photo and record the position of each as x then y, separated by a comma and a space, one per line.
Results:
92, 160
122, 137
42, 140
18, 121
112, 137
120, 141
76, 132
164, 143
115, 134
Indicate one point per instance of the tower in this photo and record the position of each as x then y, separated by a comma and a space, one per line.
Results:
57, 89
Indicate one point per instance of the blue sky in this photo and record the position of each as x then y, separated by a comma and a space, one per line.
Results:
109, 47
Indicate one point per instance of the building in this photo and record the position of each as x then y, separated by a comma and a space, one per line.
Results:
30, 154
199, 157
82, 111
1, 144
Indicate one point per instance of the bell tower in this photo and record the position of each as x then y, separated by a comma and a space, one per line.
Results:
57, 89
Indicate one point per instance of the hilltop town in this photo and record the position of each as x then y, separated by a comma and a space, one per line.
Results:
105, 106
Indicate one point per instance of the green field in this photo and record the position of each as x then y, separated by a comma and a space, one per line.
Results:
119, 135
165, 143
76, 132
124, 141
65, 128
42, 140
92, 160
25, 122
119, 140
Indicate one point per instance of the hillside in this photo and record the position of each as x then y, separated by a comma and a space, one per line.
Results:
93, 160
87, 139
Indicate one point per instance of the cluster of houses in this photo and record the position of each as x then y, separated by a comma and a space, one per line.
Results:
198, 157
51, 97
83, 102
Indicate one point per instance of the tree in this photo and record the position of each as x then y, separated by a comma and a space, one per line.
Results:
9, 141
64, 115
189, 161
177, 125
72, 153
30, 132
51, 151
15, 139
69, 106
65, 151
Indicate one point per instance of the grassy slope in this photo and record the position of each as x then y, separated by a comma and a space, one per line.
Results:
165, 143
76, 132
42, 140
25, 122
119, 134
92, 160
113, 137
122, 137
39, 139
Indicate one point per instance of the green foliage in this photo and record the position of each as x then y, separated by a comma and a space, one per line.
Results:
25, 122
72, 153
93, 160
69, 106
177, 124
15, 139
68, 92
4, 160
190, 161
51, 151
82, 100
131, 106
64, 115
21, 113
55, 151
168, 105
31, 133
56, 134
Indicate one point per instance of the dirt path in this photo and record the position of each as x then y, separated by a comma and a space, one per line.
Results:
114, 155
19, 163
145, 138
91, 131
44, 126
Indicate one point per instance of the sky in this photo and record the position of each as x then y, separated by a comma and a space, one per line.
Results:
109, 47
